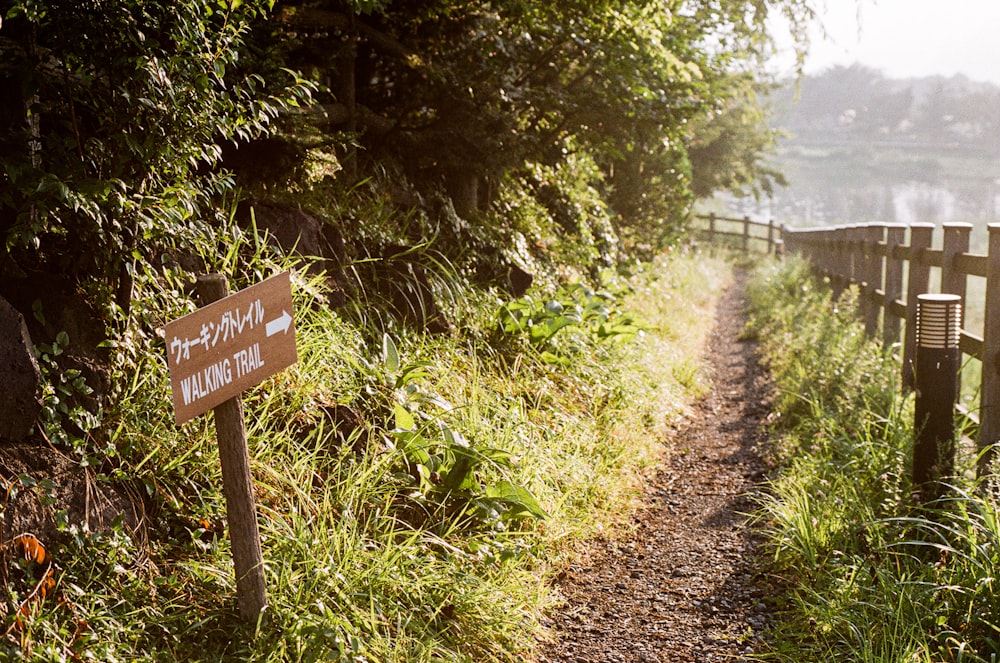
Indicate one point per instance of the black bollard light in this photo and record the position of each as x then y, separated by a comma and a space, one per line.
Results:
939, 327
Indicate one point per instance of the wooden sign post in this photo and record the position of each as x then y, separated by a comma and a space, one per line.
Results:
230, 344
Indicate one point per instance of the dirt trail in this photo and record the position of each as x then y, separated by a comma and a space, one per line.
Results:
682, 586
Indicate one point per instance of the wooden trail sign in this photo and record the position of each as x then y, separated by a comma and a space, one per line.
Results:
230, 345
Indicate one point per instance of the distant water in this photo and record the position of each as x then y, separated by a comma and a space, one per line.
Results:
897, 202
831, 192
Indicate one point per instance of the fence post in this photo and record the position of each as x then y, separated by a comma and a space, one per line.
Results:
953, 281
839, 260
815, 252
847, 237
918, 276
872, 276
817, 256
746, 234
833, 259
894, 236
825, 252
711, 226
989, 396
956, 241
856, 249
770, 237
854, 252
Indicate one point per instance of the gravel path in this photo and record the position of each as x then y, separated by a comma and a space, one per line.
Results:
682, 585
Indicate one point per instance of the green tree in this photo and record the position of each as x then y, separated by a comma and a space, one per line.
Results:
463, 92
729, 147
112, 139
117, 118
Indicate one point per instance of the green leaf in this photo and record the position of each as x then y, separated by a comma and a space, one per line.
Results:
454, 438
545, 330
36, 309
413, 372
499, 457
461, 475
390, 355
404, 420
424, 473
554, 359
414, 448
520, 501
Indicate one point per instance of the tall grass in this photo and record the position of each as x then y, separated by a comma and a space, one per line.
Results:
425, 526
866, 573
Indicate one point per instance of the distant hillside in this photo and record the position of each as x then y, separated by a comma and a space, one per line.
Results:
856, 104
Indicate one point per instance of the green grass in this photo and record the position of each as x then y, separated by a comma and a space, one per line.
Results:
416, 537
866, 573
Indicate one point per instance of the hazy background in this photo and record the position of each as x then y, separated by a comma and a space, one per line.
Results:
907, 38
898, 118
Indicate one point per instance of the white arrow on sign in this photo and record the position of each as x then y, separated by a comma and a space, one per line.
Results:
279, 324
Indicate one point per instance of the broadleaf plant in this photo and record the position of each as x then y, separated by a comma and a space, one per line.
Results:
445, 471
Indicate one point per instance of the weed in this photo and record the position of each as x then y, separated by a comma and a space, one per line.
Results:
873, 577
446, 470
422, 529
552, 326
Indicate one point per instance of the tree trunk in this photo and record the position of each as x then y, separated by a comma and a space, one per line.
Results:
463, 188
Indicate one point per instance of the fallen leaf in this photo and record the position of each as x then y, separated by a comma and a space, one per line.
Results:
30, 548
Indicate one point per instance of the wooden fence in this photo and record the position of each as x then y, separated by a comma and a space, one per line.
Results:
891, 265
744, 232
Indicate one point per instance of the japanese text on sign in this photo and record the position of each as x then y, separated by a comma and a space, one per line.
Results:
230, 345
230, 325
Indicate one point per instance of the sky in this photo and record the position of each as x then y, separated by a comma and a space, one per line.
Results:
910, 38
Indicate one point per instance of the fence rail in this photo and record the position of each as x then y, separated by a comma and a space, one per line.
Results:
744, 231
891, 265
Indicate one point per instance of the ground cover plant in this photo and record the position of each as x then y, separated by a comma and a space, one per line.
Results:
415, 491
868, 574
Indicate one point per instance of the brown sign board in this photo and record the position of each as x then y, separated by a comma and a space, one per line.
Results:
230, 345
